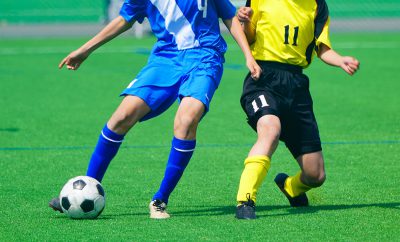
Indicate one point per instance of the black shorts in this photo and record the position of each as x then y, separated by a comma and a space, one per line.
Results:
283, 91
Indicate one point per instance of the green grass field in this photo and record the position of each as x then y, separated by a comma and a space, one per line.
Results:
50, 121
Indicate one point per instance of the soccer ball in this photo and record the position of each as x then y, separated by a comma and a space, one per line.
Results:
82, 197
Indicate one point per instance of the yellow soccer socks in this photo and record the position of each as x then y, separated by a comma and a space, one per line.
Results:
294, 186
255, 170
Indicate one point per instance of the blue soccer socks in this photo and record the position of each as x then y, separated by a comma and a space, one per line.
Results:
106, 148
179, 157
109, 143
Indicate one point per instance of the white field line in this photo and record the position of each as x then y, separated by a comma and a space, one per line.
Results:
136, 49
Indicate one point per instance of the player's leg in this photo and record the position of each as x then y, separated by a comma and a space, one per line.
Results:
126, 115
198, 85
183, 145
145, 97
312, 169
258, 161
268, 133
159, 99
142, 101
302, 139
131, 110
311, 175
261, 106
257, 165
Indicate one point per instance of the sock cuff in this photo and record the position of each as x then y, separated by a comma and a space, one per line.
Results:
294, 186
261, 159
111, 135
298, 180
183, 145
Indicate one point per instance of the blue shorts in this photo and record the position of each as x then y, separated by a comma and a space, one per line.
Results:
172, 75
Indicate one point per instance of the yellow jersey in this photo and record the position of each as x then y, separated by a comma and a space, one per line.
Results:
289, 31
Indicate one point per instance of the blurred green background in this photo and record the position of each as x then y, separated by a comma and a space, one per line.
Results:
92, 11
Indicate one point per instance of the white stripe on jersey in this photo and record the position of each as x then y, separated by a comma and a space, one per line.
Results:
176, 23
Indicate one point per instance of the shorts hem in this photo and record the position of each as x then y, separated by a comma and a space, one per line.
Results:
306, 150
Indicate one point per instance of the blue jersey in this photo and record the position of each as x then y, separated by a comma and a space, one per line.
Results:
182, 24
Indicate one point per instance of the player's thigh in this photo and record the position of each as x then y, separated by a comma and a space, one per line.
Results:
257, 104
157, 85
158, 99
201, 83
269, 127
299, 126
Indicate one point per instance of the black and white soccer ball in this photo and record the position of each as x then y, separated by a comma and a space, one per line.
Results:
82, 197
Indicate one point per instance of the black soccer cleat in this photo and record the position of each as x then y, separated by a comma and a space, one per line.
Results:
55, 204
299, 201
246, 210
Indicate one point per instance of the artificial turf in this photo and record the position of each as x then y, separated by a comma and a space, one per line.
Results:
50, 121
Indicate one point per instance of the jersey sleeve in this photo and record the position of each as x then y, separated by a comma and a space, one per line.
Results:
133, 10
225, 9
322, 24
324, 36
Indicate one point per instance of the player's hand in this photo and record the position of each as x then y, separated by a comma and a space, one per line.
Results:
350, 65
74, 60
244, 14
254, 68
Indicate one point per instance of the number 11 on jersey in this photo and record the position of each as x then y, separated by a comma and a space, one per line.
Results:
295, 36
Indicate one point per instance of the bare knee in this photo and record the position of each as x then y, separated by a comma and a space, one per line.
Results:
269, 128
131, 110
314, 179
185, 126
312, 166
187, 118
121, 121
268, 133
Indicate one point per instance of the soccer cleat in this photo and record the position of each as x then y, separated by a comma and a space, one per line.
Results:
299, 201
55, 204
158, 209
246, 210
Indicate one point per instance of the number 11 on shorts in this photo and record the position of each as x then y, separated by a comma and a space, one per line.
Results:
263, 103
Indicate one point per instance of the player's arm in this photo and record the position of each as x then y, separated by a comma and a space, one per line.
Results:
113, 29
244, 15
236, 31
329, 56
